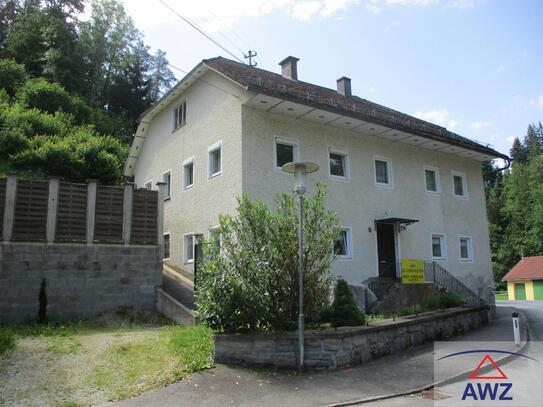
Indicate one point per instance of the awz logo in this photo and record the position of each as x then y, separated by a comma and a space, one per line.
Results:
489, 386
488, 391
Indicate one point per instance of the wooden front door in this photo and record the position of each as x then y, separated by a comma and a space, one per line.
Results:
386, 250
538, 290
520, 291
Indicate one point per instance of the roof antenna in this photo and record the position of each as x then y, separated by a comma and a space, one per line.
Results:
250, 57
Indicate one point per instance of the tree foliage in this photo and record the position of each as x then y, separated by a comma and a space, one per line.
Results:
515, 205
251, 282
343, 311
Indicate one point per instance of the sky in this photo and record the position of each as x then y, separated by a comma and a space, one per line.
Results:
473, 66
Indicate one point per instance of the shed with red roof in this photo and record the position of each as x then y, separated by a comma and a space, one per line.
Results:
525, 280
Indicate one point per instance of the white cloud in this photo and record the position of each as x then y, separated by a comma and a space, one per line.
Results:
477, 126
213, 15
372, 89
500, 69
510, 139
540, 102
378, 5
440, 117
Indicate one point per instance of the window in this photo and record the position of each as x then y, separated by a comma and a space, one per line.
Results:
188, 173
188, 248
466, 252
166, 246
215, 238
438, 247
214, 160
285, 152
431, 176
342, 246
148, 185
167, 178
459, 185
383, 172
338, 164
180, 115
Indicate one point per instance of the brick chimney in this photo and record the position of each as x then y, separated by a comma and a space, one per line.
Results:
344, 86
289, 68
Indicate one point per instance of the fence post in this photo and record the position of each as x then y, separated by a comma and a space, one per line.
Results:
9, 208
160, 219
52, 209
127, 213
91, 209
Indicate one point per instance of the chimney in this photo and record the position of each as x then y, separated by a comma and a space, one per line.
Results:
344, 86
288, 68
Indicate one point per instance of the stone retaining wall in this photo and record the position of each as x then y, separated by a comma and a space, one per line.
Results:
336, 348
82, 280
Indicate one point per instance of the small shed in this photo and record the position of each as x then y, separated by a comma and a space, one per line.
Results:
525, 280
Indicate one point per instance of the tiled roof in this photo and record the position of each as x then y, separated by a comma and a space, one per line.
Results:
270, 83
529, 268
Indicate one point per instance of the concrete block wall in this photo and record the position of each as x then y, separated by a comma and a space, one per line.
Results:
82, 280
336, 348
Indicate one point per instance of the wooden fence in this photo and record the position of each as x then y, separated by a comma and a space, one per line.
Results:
58, 211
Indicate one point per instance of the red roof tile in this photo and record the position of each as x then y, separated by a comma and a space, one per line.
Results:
529, 268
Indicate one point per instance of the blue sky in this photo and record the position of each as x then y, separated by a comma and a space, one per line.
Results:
473, 66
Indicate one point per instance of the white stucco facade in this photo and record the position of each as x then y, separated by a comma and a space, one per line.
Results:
220, 113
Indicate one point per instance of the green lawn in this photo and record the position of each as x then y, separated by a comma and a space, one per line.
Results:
501, 296
93, 362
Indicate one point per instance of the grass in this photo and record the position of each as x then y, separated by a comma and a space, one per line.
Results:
501, 296
91, 362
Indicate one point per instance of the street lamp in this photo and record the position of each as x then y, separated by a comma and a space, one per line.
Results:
300, 169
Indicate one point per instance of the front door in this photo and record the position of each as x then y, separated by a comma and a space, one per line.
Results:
538, 290
386, 250
520, 291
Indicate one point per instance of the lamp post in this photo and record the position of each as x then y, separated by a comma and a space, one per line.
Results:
300, 169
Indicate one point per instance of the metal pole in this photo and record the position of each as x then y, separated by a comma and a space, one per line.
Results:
301, 283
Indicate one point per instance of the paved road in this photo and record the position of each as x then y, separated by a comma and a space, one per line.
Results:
534, 313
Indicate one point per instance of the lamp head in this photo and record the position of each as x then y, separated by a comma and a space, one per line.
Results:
300, 169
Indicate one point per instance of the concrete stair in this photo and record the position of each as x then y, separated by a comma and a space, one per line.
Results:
178, 285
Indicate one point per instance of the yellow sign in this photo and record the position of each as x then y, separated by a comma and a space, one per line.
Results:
412, 271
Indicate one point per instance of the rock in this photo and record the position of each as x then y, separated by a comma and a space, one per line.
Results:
363, 296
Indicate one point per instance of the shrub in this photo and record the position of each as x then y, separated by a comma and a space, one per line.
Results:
45, 96
251, 283
12, 76
449, 300
343, 311
7, 339
34, 122
12, 141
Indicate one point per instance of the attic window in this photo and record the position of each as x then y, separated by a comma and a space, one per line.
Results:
180, 115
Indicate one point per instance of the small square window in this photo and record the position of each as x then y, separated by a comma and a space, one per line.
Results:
188, 248
342, 245
438, 247
148, 185
214, 160
285, 152
459, 185
188, 174
383, 173
466, 253
338, 164
167, 178
431, 176
180, 115
166, 246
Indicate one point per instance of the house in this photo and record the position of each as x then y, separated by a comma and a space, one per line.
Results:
525, 280
402, 187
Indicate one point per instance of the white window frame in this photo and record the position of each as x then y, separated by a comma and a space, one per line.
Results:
289, 142
211, 149
183, 106
150, 183
184, 165
186, 260
438, 180
390, 173
443, 242
469, 259
170, 240
464, 184
349, 255
169, 190
345, 154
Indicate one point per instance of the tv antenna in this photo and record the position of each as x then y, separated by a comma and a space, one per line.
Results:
250, 57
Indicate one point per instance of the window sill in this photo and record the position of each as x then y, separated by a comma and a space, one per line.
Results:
189, 261
439, 259
461, 197
338, 178
165, 258
381, 185
214, 175
466, 260
344, 257
177, 128
188, 187
433, 192
167, 198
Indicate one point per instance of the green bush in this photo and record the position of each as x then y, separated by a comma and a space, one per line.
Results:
449, 300
12, 141
34, 122
7, 339
12, 76
251, 283
343, 311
